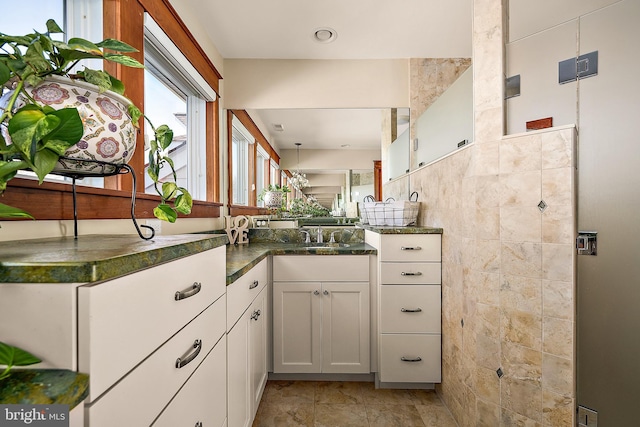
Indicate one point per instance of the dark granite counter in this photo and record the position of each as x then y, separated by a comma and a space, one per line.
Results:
401, 230
94, 258
44, 386
241, 258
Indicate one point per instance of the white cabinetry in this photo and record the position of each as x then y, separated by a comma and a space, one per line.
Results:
409, 316
321, 314
247, 332
148, 340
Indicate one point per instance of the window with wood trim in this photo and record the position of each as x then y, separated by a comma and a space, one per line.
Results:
124, 20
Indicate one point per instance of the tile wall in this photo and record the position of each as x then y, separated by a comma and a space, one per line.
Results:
508, 263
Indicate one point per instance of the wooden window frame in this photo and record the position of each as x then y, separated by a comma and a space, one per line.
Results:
124, 20
246, 120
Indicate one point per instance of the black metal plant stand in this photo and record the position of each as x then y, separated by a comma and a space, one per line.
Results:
102, 169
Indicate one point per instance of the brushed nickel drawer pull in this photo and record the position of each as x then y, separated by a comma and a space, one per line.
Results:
255, 315
189, 355
199, 424
410, 248
411, 310
411, 359
411, 274
189, 292
254, 284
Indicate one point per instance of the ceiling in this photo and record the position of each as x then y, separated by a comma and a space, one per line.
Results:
366, 29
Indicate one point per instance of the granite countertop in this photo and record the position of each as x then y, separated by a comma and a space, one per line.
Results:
44, 386
93, 258
241, 258
401, 230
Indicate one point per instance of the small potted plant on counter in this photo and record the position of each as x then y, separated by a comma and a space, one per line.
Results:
274, 196
55, 119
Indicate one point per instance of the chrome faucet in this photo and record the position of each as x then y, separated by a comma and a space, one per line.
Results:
319, 240
307, 239
333, 239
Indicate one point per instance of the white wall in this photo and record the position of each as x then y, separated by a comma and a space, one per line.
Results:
299, 83
329, 159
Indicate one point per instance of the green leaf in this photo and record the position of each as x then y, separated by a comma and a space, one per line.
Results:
22, 128
52, 27
68, 132
116, 85
9, 169
135, 114
184, 202
83, 45
5, 73
44, 162
164, 136
123, 59
165, 213
14, 356
97, 77
7, 211
168, 190
116, 45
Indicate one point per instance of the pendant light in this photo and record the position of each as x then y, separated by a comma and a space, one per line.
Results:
298, 180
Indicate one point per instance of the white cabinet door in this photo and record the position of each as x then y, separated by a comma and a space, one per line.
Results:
239, 406
345, 327
296, 327
258, 349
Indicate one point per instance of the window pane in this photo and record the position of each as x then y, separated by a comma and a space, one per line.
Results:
31, 15
164, 105
240, 167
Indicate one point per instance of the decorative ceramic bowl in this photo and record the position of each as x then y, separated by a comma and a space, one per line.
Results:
109, 136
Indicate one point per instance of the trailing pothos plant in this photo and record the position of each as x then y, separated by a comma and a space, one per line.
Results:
39, 134
11, 356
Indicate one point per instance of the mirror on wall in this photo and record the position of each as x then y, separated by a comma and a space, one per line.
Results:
338, 147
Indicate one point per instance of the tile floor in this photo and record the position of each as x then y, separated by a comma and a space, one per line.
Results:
348, 404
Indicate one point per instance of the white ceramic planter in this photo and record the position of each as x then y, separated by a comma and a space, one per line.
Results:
273, 199
109, 135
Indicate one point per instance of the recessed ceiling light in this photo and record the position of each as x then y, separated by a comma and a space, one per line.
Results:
345, 145
325, 35
278, 127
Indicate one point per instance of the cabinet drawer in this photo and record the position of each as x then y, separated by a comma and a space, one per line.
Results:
410, 273
407, 308
319, 268
203, 398
122, 321
243, 291
410, 358
140, 396
410, 247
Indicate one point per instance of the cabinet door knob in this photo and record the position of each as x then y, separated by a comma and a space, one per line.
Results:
191, 354
411, 359
189, 292
316, 292
404, 273
254, 284
410, 248
326, 292
411, 310
199, 424
255, 315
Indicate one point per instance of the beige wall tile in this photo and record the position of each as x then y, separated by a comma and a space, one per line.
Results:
557, 375
511, 419
522, 363
557, 149
558, 224
487, 156
557, 337
522, 259
520, 224
488, 352
556, 186
487, 256
488, 321
487, 223
521, 293
557, 410
487, 191
488, 414
558, 299
521, 328
521, 154
487, 385
522, 397
521, 189
557, 262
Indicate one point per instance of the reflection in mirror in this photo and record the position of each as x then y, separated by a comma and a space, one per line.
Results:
398, 157
448, 123
338, 147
